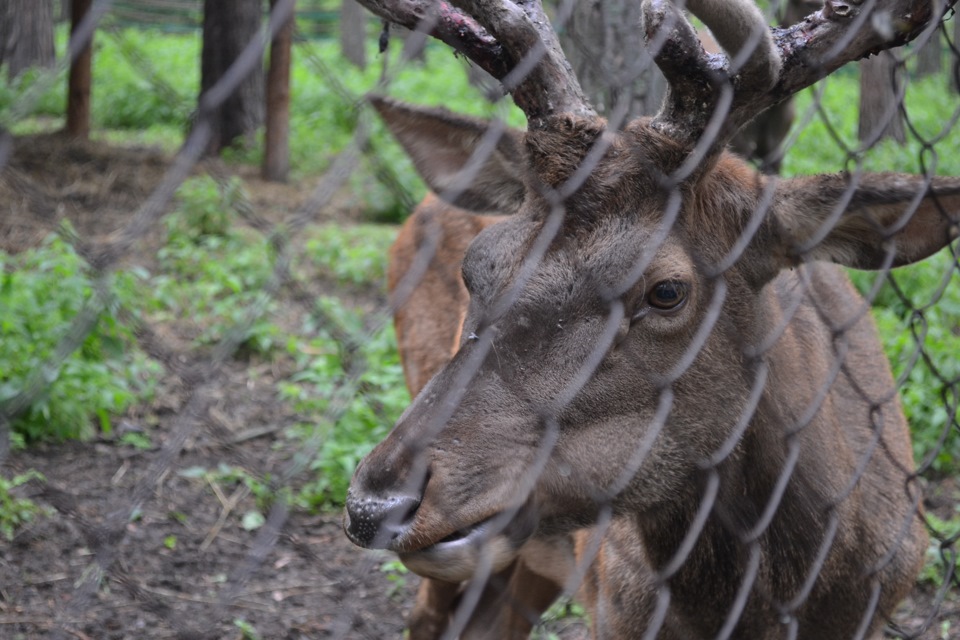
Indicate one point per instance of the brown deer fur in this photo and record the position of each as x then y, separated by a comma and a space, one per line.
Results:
806, 316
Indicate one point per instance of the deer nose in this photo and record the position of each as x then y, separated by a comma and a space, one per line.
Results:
374, 522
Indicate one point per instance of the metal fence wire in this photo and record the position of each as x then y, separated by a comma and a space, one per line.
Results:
643, 389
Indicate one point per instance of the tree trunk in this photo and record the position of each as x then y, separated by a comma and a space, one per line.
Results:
954, 60
880, 115
353, 33
276, 154
81, 77
228, 27
602, 43
26, 35
930, 56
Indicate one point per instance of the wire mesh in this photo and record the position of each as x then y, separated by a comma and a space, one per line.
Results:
532, 436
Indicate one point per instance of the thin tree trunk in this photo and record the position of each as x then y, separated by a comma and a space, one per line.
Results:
81, 77
26, 35
353, 33
880, 115
955, 61
612, 63
276, 156
228, 27
930, 56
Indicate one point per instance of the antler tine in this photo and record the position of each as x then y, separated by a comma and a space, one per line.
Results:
513, 41
769, 65
543, 83
449, 25
695, 77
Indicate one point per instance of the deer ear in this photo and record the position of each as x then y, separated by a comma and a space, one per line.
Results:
859, 221
466, 161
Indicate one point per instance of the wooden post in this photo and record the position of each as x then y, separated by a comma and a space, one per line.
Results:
880, 115
353, 33
81, 77
930, 56
276, 155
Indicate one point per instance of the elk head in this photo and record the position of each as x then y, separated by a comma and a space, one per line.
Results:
626, 325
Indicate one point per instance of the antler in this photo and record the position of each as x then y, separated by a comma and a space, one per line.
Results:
708, 94
716, 94
513, 41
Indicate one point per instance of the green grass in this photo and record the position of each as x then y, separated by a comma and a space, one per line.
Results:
829, 142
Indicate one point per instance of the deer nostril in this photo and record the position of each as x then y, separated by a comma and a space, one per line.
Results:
374, 523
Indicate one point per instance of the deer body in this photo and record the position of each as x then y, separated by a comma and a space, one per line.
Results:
660, 383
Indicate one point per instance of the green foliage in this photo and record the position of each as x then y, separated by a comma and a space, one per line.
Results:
136, 440
247, 630
396, 574
214, 271
828, 142
348, 389
942, 549
205, 209
351, 255
16, 512
148, 82
41, 291
140, 82
920, 331
40, 89
562, 612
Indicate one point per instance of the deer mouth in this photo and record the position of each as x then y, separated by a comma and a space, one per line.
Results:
489, 545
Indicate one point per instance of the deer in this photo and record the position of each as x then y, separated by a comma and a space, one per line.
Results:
642, 375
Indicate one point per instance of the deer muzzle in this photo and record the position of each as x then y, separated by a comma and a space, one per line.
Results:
486, 546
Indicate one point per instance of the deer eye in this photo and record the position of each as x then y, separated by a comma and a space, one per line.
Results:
668, 295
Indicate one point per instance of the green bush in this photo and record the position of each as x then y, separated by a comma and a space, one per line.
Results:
213, 270
41, 291
349, 390
351, 255
16, 512
140, 82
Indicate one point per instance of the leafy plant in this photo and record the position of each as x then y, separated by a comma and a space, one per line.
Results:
942, 550
826, 130
247, 630
561, 613
396, 574
348, 389
213, 270
16, 512
41, 291
139, 85
351, 255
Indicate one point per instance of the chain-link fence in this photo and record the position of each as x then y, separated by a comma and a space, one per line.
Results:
649, 408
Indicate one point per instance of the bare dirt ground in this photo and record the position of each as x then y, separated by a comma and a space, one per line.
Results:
135, 548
